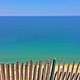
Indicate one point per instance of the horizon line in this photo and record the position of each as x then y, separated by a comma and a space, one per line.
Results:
39, 15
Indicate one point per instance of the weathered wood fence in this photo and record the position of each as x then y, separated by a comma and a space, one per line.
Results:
40, 71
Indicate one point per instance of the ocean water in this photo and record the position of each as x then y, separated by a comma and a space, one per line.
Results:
39, 38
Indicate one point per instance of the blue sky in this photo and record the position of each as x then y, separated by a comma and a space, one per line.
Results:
40, 7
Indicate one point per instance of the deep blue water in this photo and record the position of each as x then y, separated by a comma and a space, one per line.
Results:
39, 37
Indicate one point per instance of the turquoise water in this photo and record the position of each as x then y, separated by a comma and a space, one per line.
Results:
25, 38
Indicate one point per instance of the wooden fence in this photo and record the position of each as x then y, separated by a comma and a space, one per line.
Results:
40, 71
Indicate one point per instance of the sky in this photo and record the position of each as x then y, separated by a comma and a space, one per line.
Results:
39, 7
